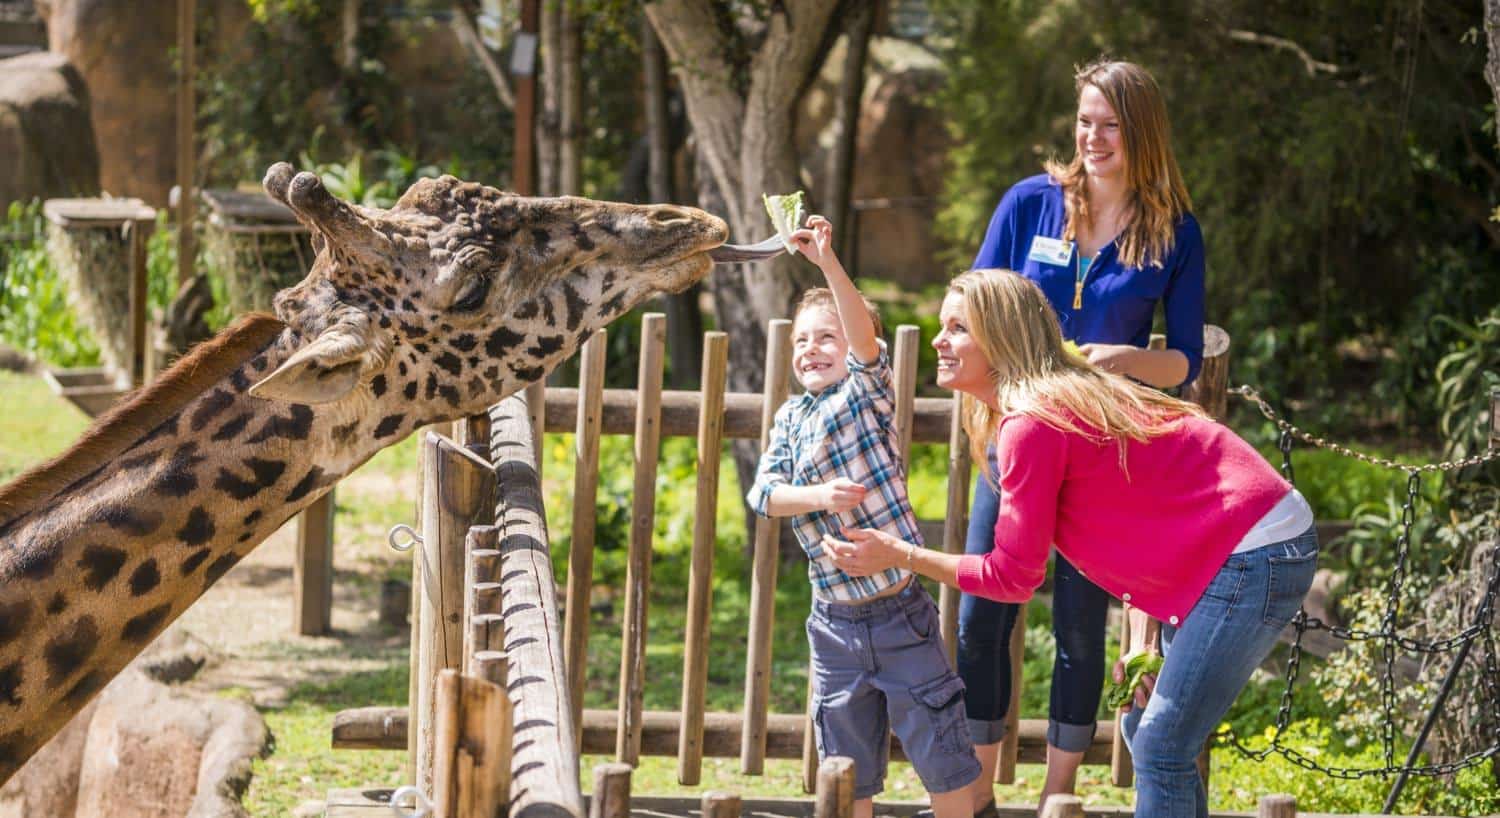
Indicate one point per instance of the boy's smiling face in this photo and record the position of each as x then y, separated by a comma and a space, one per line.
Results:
820, 351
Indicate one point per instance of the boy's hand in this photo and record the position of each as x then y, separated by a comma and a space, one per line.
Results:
816, 240
841, 494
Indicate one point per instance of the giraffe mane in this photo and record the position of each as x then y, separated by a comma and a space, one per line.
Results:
141, 411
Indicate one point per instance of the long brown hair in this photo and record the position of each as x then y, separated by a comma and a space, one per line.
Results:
1157, 198
1035, 374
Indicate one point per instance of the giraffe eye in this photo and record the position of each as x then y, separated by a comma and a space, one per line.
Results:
472, 296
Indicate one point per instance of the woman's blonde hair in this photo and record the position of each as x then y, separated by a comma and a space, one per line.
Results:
1035, 374
1157, 198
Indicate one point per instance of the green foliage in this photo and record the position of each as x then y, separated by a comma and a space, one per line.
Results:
34, 314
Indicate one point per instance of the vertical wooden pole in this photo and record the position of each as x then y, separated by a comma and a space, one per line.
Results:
611, 791
643, 521
1277, 806
720, 804
481, 568
1121, 769
1063, 806
312, 569
1010, 746
810, 738
585, 492
472, 758
955, 521
187, 155
456, 484
835, 790
523, 72
414, 661
763, 575
536, 408
700, 577
904, 384
139, 349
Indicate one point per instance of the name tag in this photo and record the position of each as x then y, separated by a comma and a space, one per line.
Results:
1050, 251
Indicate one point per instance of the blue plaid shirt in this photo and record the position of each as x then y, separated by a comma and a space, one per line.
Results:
847, 430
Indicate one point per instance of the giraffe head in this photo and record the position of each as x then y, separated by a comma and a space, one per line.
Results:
461, 294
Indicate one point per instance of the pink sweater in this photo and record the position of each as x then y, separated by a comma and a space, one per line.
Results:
1154, 537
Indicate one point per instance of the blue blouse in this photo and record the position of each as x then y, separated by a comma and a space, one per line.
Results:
1118, 302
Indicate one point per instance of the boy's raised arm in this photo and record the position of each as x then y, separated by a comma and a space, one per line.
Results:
816, 243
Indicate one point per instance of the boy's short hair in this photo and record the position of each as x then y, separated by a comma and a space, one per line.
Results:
823, 297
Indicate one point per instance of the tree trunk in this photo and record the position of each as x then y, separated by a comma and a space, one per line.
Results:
846, 126
1492, 62
570, 102
549, 123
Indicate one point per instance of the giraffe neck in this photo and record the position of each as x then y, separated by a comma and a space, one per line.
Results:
93, 574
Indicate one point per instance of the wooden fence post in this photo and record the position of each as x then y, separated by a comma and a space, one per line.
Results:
481, 570
611, 791
1063, 806
642, 525
835, 789
763, 573
585, 494
1121, 770
471, 770
700, 578
903, 383
955, 521
720, 804
1010, 746
312, 568
456, 485
1277, 806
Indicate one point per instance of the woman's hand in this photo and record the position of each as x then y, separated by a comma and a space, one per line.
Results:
815, 241
1142, 693
866, 551
1115, 358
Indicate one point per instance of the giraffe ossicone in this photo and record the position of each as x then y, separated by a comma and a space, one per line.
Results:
436, 308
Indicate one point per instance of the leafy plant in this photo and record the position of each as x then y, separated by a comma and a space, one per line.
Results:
34, 314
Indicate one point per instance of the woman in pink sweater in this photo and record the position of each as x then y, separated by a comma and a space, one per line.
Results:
1156, 503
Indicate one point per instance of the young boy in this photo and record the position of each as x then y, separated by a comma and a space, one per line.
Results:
877, 653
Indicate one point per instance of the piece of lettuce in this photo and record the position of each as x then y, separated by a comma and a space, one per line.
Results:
787, 215
1118, 694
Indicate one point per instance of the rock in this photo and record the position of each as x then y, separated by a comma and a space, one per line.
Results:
176, 656
48, 783
46, 140
155, 751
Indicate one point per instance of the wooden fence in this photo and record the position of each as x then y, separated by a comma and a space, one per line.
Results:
495, 716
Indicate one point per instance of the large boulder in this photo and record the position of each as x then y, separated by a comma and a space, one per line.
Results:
47, 144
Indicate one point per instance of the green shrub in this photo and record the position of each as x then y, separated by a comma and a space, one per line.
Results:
34, 314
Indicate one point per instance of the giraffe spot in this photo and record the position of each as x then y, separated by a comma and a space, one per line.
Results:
431, 384
548, 312
166, 427
252, 518
85, 688
546, 345
136, 522
258, 363
312, 480
411, 330
476, 387
101, 564
37, 562
193, 560
179, 478
450, 363
450, 394
388, 425
607, 224
377, 385
267, 472
575, 304
385, 320
142, 627
501, 341
407, 306
210, 408
232, 427
10, 683
239, 380
609, 281
66, 652
614, 306
58, 604
528, 310
401, 368
294, 426
138, 461
13, 752
219, 567
410, 390
464, 342
345, 433
245, 536
491, 373
473, 360
198, 529
527, 374
540, 239
13, 618
145, 578
581, 238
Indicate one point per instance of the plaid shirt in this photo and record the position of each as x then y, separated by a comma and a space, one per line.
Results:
847, 430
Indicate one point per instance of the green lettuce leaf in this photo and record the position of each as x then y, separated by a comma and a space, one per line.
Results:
1119, 694
787, 215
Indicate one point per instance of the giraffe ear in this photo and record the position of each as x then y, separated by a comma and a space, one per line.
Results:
321, 372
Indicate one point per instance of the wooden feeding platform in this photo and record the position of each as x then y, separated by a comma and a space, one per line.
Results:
257, 243
99, 249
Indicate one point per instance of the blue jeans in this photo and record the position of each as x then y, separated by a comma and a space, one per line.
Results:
1079, 611
1209, 657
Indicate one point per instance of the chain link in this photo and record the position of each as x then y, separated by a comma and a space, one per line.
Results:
1482, 627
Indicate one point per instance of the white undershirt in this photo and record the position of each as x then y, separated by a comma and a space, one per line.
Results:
1286, 520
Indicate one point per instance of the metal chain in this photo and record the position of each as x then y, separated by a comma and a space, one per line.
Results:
1481, 627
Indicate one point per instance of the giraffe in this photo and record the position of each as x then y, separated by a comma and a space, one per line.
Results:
456, 297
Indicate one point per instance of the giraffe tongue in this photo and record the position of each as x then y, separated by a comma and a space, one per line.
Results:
725, 253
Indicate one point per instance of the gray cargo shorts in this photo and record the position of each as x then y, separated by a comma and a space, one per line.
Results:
881, 666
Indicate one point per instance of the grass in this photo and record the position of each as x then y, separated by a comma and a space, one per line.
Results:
34, 425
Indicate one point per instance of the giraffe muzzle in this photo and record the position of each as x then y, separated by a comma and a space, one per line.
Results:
730, 253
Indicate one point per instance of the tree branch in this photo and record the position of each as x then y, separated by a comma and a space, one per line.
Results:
463, 26
1313, 66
